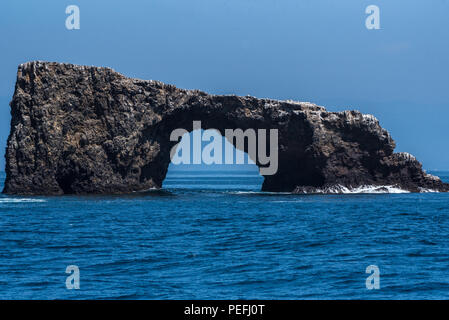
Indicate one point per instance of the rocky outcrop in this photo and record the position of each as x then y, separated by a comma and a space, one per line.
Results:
78, 129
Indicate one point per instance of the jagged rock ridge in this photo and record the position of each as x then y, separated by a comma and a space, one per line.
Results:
78, 129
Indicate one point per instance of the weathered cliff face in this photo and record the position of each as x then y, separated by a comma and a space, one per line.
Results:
79, 129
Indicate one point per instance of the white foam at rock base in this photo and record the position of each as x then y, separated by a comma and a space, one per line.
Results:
339, 189
424, 190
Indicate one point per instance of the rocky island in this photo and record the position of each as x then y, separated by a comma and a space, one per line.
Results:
81, 130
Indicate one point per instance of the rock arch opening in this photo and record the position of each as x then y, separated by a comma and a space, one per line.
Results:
204, 159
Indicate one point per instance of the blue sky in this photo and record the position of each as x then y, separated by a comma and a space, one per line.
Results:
307, 50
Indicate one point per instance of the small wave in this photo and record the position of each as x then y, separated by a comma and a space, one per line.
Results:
21, 200
244, 192
152, 189
376, 189
424, 190
339, 189
257, 192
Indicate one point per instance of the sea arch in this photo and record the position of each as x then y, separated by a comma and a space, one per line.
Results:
78, 129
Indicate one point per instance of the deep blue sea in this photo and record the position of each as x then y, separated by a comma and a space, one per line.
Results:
213, 235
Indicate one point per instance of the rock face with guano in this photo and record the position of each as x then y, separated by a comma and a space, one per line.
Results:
81, 130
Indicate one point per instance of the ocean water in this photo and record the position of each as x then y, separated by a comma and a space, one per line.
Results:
213, 235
